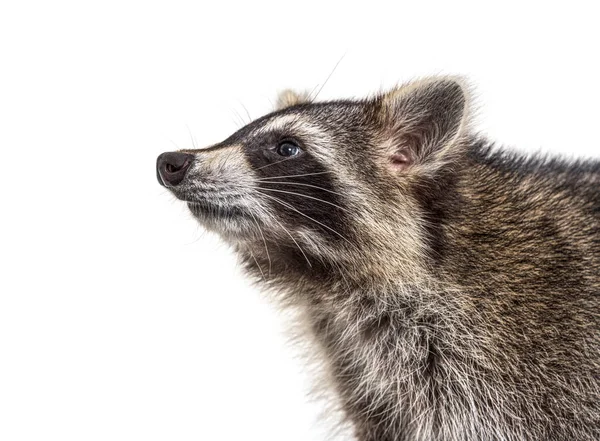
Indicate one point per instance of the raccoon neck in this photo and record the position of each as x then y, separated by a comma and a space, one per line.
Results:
386, 354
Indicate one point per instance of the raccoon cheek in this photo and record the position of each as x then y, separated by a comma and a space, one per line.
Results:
401, 160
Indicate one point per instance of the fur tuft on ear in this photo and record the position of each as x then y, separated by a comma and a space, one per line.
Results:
422, 123
288, 98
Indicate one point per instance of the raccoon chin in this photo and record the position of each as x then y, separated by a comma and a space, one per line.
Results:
232, 223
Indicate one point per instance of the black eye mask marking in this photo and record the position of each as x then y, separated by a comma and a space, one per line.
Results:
297, 186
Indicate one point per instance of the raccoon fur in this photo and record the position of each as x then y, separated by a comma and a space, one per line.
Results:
451, 287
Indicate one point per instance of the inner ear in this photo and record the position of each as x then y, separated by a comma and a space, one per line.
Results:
422, 123
401, 159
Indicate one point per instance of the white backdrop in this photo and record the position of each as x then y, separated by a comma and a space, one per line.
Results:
119, 318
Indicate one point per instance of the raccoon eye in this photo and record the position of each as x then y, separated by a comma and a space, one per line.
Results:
288, 149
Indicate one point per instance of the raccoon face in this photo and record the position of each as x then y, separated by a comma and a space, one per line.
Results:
332, 179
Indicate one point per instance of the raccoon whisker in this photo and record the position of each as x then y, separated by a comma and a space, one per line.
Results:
303, 185
237, 123
327, 79
310, 100
202, 234
246, 110
264, 241
306, 196
275, 163
191, 137
292, 237
292, 176
291, 207
240, 121
257, 265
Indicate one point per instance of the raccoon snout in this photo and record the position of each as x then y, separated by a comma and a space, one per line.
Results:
171, 168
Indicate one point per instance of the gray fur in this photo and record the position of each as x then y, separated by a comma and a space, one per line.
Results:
450, 289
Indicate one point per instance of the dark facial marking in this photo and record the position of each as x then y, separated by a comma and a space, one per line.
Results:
296, 184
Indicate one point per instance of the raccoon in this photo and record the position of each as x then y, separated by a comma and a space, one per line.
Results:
449, 286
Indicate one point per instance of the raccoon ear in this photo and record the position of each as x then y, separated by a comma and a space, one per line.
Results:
423, 123
288, 98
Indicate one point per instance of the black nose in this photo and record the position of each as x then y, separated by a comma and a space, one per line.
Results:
171, 167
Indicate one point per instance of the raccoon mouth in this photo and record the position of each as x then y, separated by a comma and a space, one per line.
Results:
204, 209
212, 206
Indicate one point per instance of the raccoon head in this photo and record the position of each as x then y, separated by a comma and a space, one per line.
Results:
328, 187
